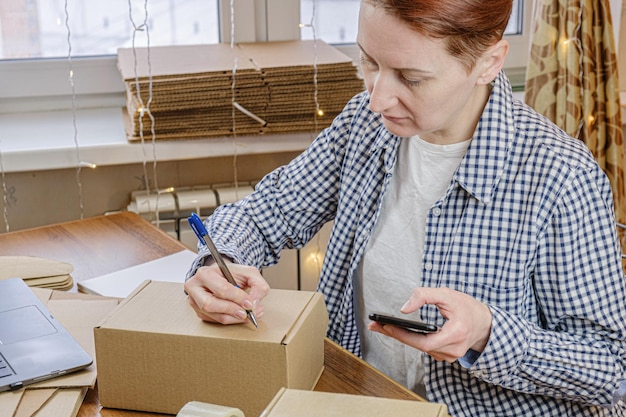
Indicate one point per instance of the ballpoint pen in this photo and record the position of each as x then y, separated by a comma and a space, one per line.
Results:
203, 236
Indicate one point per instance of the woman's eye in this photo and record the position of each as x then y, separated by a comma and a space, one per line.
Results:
410, 82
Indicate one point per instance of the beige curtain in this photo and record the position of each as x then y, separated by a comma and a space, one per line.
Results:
572, 79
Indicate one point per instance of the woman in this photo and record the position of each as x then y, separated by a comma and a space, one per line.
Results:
452, 203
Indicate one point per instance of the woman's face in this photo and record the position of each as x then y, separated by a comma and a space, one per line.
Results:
416, 86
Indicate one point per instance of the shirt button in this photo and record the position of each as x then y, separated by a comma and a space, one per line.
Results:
428, 266
436, 211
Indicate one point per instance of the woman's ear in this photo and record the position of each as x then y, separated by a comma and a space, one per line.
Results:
492, 61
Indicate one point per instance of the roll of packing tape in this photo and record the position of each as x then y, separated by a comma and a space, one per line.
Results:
200, 409
232, 194
196, 199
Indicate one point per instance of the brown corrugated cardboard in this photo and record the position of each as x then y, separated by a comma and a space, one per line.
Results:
291, 402
192, 89
154, 353
37, 272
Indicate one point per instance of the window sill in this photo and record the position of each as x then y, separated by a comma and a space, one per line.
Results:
44, 140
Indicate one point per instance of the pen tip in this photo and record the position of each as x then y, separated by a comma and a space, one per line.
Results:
253, 319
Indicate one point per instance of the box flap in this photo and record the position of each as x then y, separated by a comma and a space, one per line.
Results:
176, 317
290, 402
122, 302
315, 301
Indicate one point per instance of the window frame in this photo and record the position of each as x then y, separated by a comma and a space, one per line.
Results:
43, 84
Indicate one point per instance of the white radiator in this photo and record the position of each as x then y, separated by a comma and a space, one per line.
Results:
170, 209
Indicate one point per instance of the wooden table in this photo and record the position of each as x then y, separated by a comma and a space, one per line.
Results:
105, 244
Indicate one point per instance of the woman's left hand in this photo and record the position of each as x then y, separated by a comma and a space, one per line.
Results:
467, 326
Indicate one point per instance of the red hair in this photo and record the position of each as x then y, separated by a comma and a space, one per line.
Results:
468, 27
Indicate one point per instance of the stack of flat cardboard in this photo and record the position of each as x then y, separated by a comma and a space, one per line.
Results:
37, 272
275, 89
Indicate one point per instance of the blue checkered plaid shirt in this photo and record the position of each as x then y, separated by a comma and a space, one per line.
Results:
526, 226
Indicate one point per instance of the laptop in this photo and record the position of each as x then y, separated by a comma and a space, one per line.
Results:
34, 346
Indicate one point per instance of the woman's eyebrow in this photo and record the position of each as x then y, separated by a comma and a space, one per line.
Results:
416, 71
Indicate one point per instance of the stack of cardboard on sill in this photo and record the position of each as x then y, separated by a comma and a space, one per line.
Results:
204, 91
62, 396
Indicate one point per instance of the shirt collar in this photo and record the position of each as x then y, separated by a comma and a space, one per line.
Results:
487, 155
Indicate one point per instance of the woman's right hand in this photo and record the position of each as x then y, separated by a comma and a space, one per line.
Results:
216, 300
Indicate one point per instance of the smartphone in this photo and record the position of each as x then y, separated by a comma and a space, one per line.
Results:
414, 326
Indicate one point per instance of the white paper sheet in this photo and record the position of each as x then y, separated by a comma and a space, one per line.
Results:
171, 268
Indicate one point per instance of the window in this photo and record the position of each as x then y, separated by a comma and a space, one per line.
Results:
39, 28
36, 29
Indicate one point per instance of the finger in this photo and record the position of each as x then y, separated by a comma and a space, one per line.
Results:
213, 317
426, 295
212, 280
251, 279
211, 308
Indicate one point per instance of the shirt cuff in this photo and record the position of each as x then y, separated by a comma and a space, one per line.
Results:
469, 358
204, 258
620, 394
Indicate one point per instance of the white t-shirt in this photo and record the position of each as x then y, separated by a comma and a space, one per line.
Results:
392, 263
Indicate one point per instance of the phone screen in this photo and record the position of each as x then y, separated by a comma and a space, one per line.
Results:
414, 326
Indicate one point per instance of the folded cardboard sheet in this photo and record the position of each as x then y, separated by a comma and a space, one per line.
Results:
290, 403
37, 272
278, 87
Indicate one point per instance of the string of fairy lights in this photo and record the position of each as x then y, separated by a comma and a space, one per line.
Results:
316, 255
233, 92
144, 107
141, 26
79, 184
318, 111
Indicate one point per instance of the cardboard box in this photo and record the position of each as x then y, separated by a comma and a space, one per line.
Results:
290, 402
154, 354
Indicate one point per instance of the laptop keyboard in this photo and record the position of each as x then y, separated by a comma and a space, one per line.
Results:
5, 369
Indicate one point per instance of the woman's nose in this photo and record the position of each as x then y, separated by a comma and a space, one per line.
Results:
382, 93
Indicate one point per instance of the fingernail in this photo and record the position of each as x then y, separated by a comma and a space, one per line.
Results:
248, 305
405, 306
240, 314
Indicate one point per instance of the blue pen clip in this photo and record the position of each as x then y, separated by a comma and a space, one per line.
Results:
198, 227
